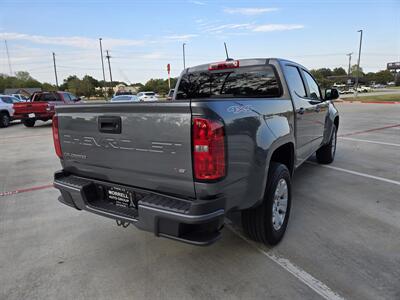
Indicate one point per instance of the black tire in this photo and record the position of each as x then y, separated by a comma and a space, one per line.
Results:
4, 119
258, 221
326, 154
29, 122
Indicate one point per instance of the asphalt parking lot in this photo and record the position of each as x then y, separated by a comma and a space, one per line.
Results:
343, 239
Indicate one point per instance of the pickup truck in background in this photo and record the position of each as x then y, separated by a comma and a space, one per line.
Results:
230, 140
6, 109
40, 106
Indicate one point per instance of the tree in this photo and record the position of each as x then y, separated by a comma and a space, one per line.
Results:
48, 87
353, 71
383, 77
158, 85
339, 72
23, 76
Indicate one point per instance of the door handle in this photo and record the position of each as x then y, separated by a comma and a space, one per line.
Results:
301, 110
109, 124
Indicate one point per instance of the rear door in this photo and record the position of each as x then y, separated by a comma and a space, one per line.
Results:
320, 107
305, 112
146, 145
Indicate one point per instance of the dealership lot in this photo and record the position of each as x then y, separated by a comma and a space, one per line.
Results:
344, 231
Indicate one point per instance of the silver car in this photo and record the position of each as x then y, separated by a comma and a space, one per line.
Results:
125, 98
6, 109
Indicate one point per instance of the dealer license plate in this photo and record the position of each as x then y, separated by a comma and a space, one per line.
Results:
120, 197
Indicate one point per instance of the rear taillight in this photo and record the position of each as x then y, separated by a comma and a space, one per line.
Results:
230, 64
208, 149
56, 137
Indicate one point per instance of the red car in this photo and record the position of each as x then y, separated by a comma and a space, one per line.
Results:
40, 106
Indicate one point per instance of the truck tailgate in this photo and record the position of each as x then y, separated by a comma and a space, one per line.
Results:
30, 107
145, 145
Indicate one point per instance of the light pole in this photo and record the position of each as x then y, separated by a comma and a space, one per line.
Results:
55, 68
184, 58
349, 71
358, 62
102, 65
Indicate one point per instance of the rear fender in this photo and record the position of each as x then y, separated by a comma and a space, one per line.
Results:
330, 118
283, 134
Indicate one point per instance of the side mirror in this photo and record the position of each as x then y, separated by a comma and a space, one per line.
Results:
331, 94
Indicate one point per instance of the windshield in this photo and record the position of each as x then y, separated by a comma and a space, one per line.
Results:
245, 82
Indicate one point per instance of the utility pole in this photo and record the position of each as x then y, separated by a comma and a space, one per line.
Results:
349, 55
226, 52
184, 58
102, 60
109, 66
8, 57
102, 67
55, 69
358, 62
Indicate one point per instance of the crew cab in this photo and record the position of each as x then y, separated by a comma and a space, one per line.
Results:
229, 140
40, 106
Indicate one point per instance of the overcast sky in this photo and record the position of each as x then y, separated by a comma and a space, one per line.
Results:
143, 36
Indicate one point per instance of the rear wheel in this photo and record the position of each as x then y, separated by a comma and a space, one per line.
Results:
326, 154
29, 122
267, 223
4, 119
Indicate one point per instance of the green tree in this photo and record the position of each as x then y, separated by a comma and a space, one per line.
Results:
339, 72
353, 71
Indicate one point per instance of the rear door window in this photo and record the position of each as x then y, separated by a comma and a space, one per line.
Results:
257, 82
47, 97
294, 81
7, 100
67, 97
312, 86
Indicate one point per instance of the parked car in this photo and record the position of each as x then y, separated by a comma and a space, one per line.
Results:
125, 98
170, 94
41, 106
364, 89
177, 168
20, 97
147, 96
120, 93
6, 109
378, 86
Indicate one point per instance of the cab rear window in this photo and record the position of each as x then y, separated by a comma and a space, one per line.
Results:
258, 82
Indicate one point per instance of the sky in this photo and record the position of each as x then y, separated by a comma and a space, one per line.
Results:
144, 36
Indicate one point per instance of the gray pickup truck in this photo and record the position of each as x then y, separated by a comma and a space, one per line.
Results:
229, 140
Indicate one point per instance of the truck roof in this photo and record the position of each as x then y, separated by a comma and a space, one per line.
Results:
243, 63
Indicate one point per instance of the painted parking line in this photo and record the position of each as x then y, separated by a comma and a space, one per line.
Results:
23, 136
369, 141
31, 189
356, 173
316, 285
369, 130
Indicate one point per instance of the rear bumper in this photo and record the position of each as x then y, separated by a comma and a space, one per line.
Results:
195, 222
38, 116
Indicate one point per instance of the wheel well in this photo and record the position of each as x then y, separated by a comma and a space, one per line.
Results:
285, 155
336, 122
4, 111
